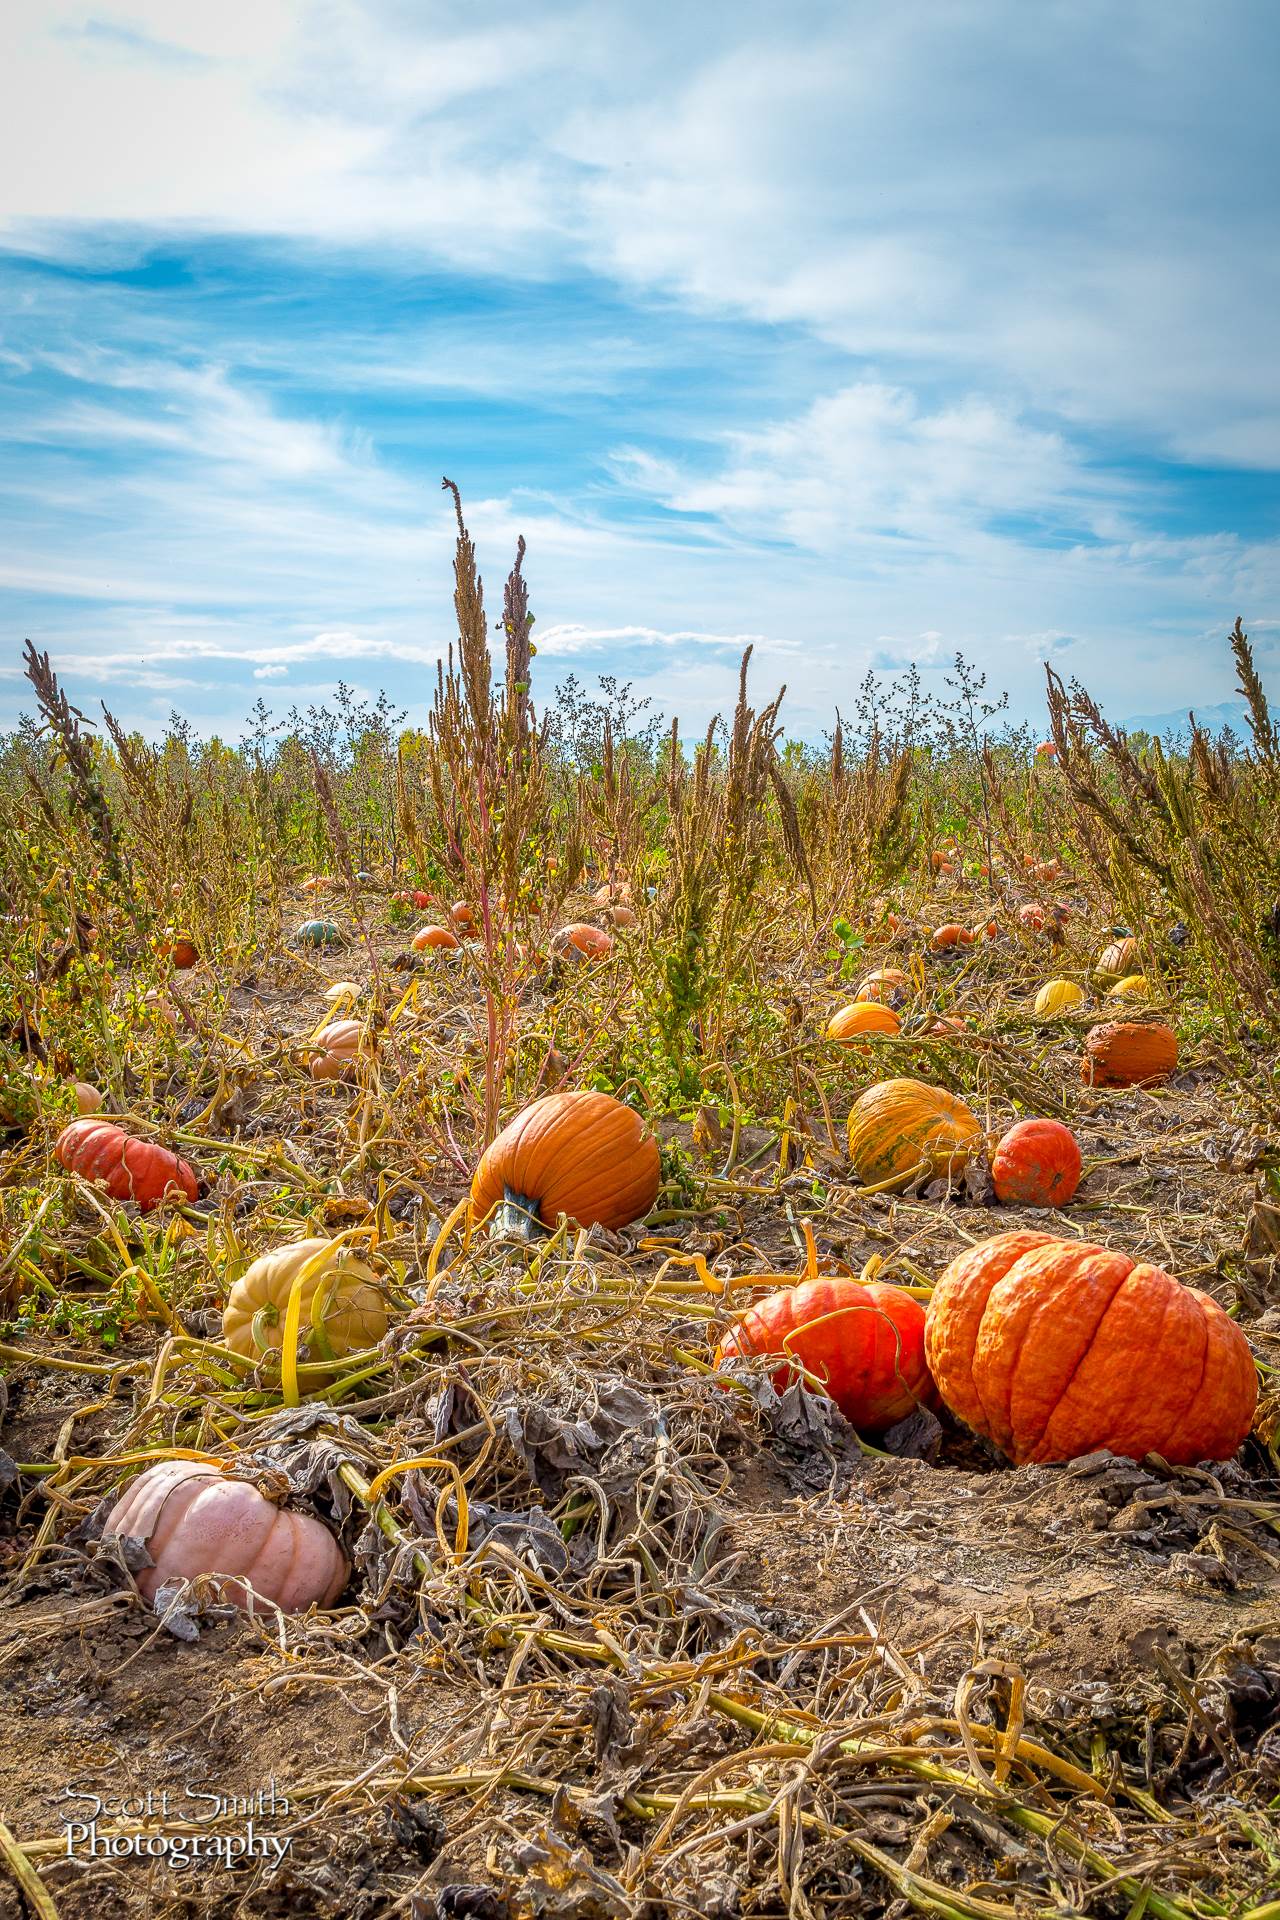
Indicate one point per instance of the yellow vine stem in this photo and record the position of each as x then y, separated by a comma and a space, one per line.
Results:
463, 1529
29, 1882
440, 1242
290, 1392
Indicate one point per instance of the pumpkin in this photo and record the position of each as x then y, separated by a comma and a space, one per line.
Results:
942, 1024
317, 933
1056, 1348
462, 915
886, 983
862, 1016
1129, 1053
155, 1004
864, 1343
131, 1169
1043, 871
1058, 996
902, 1129
1031, 917
341, 1043
342, 990
195, 1519
951, 936
1117, 960
88, 1099
605, 896
341, 1304
622, 916
583, 1154
180, 950
592, 943
940, 860
427, 938
1046, 751
317, 883
987, 930
408, 898
1132, 987
1036, 1164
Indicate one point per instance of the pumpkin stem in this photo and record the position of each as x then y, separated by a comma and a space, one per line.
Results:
516, 1218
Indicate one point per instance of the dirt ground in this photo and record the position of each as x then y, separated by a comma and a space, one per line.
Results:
561, 1721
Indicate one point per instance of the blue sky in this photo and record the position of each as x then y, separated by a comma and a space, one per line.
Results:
861, 333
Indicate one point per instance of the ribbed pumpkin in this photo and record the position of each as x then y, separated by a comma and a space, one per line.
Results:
194, 1519
131, 1169
1058, 996
903, 1129
317, 933
584, 1154
427, 938
591, 943
341, 1043
88, 1099
1132, 987
1129, 1053
341, 1305
862, 1016
864, 1343
1031, 917
888, 984
1117, 960
1036, 1164
1055, 1348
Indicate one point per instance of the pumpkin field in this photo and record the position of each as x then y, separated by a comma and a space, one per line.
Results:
596, 1323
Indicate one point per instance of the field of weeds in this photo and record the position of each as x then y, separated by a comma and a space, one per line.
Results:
618, 1627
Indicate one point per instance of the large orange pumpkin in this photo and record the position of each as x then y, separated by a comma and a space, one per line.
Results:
864, 1343
1036, 1164
584, 1154
862, 1016
131, 1169
903, 1129
1055, 1348
1129, 1053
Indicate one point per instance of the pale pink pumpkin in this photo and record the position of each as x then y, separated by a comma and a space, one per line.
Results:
195, 1519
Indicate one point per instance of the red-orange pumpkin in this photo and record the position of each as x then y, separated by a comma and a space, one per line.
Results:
182, 951
864, 1343
1055, 1348
1032, 917
886, 983
462, 915
427, 938
593, 943
584, 1154
1129, 1053
1036, 1164
341, 1043
951, 935
131, 1169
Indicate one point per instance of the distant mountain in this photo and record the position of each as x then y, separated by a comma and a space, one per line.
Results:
1227, 713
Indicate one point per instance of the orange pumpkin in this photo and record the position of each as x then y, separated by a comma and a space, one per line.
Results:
1046, 751
181, 950
987, 930
592, 943
462, 915
940, 860
1031, 917
131, 1169
1129, 1053
943, 1024
1044, 871
427, 938
622, 916
341, 1043
901, 1130
951, 936
862, 1016
1055, 1348
864, 1343
585, 1155
888, 984
1036, 1164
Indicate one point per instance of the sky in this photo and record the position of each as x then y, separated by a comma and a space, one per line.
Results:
860, 334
